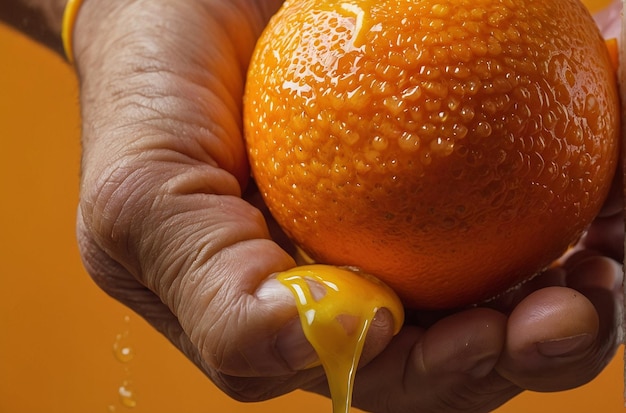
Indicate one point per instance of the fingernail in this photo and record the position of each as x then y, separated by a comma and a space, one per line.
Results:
295, 348
291, 343
274, 291
382, 319
564, 346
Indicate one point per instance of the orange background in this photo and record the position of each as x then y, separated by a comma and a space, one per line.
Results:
58, 330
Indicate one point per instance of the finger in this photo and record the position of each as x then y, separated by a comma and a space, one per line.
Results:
221, 306
600, 280
448, 367
560, 338
544, 329
606, 235
595, 272
121, 285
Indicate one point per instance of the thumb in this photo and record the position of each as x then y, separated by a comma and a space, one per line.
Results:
256, 332
249, 335
221, 306
247, 340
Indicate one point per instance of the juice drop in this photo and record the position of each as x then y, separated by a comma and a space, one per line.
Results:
122, 351
336, 308
127, 395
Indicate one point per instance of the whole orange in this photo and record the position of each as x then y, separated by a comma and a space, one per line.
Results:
453, 148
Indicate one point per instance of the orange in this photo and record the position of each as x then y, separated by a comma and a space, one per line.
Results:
452, 148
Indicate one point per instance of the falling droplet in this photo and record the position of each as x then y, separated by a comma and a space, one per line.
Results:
127, 395
121, 348
122, 351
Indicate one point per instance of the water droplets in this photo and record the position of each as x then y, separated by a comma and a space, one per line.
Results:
409, 142
441, 146
483, 129
124, 353
122, 350
127, 394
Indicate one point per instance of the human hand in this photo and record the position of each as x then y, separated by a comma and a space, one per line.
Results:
165, 223
167, 227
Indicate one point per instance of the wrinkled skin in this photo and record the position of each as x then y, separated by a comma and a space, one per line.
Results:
169, 226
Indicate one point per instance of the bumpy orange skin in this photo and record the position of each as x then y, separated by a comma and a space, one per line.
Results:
452, 148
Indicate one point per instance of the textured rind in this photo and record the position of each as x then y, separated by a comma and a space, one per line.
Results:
451, 157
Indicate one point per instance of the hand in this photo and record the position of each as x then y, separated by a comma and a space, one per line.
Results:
162, 224
169, 226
